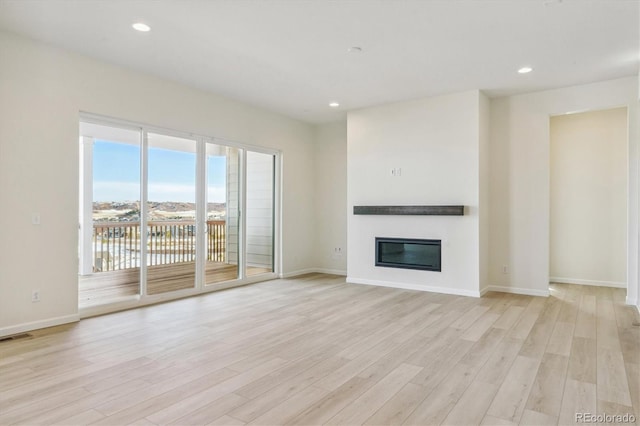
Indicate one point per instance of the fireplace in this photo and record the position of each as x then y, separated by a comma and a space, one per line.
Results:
408, 253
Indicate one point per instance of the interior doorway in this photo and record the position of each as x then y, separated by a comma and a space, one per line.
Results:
588, 198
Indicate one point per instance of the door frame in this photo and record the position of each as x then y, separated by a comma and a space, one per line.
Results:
143, 298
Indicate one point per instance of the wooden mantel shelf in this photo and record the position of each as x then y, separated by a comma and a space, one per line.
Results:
410, 210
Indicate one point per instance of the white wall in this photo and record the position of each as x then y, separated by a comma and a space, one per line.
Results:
435, 141
331, 197
589, 198
484, 202
42, 91
519, 180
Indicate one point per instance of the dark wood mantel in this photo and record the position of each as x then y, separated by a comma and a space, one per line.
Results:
410, 210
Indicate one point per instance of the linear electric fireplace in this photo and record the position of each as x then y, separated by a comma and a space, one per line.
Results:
408, 253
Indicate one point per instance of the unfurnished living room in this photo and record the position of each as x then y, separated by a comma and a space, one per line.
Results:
307, 212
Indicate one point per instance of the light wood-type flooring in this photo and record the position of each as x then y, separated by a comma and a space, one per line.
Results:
315, 350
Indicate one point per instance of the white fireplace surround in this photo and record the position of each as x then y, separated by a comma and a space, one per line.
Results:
437, 142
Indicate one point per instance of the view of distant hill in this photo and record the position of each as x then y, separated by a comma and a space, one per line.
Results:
117, 211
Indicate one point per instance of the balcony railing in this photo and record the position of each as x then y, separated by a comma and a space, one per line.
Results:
117, 245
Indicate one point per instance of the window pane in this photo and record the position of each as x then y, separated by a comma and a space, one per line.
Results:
110, 235
260, 204
171, 214
222, 213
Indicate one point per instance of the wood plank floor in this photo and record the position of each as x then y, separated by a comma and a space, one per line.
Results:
315, 350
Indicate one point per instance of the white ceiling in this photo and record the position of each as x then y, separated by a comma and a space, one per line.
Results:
290, 56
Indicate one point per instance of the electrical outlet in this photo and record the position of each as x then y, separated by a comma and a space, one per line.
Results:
337, 252
396, 171
35, 218
505, 269
35, 296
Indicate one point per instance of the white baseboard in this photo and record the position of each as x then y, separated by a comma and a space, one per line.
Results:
35, 325
634, 303
298, 272
313, 271
405, 286
331, 271
516, 290
562, 280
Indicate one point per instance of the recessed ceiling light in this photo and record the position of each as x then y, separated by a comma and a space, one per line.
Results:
354, 49
525, 70
141, 27
334, 105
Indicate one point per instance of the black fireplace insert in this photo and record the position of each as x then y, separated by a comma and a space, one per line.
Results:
408, 253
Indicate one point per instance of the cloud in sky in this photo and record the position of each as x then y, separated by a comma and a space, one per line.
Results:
130, 191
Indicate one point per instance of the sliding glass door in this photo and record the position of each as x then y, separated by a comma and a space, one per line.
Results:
110, 234
223, 213
164, 213
171, 247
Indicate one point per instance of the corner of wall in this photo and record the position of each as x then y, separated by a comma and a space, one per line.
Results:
330, 198
484, 160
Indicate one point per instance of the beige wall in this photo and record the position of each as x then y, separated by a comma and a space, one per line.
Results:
42, 92
589, 198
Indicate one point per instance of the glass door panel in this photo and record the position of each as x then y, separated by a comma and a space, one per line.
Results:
110, 235
259, 213
171, 213
223, 195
